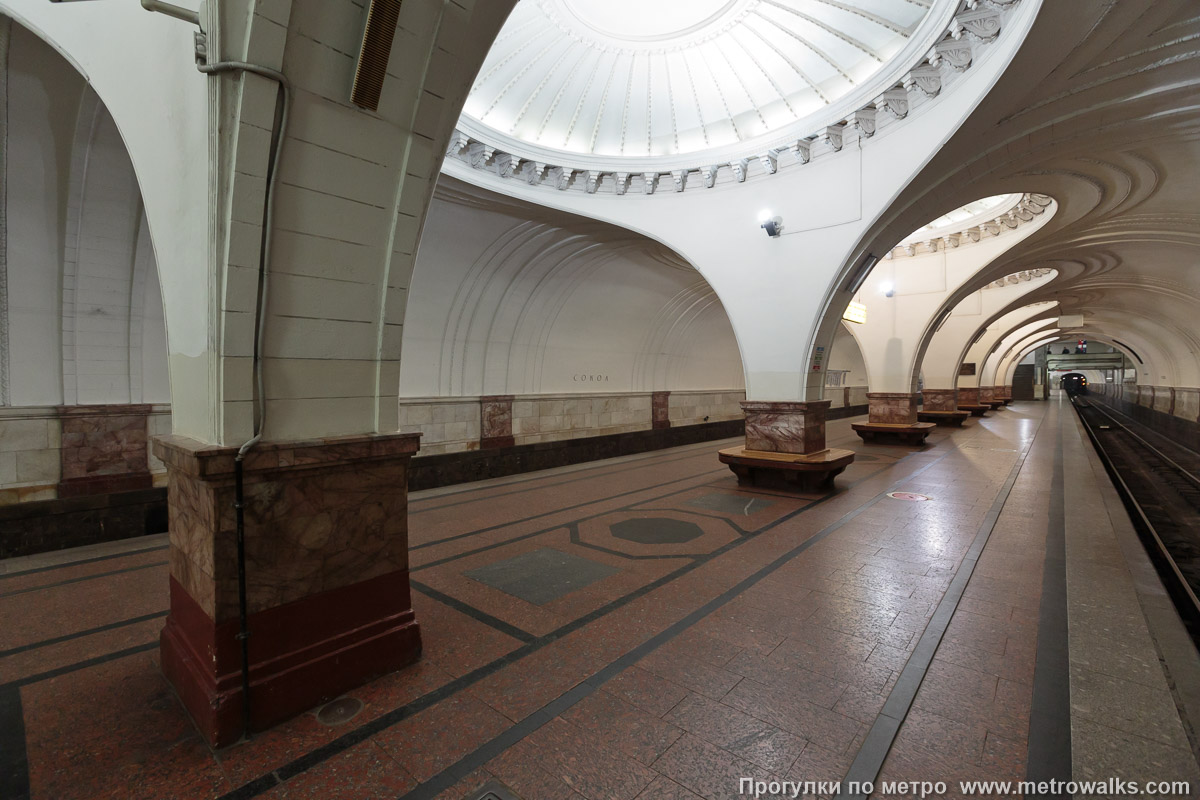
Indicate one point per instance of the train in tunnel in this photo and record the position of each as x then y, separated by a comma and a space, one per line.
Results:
1074, 384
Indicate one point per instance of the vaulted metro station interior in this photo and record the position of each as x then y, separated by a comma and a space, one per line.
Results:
599, 399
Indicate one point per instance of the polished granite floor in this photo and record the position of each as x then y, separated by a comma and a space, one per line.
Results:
635, 628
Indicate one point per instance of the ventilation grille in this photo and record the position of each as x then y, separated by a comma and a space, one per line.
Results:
378, 33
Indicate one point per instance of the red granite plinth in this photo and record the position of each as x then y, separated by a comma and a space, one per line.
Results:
326, 532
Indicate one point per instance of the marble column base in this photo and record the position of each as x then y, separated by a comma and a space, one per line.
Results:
892, 408
326, 531
785, 427
940, 399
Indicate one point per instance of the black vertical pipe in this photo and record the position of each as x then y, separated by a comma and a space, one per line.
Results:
244, 632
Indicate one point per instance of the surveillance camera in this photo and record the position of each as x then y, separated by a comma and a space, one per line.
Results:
773, 226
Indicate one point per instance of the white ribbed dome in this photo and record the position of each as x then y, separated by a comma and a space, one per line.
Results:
653, 78
974, 213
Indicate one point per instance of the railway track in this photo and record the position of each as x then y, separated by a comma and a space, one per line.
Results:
1163, 498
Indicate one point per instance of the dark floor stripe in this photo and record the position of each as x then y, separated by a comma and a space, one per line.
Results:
80, 634
521, 537
78, 665
393, 717
81, 562
14, 763
499, 525
869, 760
701, 450
1050, 716
82, 579
473, 613
481, 756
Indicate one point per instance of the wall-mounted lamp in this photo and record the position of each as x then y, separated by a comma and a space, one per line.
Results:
887, 288
770, 223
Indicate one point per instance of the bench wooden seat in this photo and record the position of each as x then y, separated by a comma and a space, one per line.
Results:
949, 418
813, 472
976, 410
913, 433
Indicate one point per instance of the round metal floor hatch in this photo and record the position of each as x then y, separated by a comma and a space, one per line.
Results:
910, 496
339, 711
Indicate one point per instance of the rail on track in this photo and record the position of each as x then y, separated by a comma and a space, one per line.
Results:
1163, 499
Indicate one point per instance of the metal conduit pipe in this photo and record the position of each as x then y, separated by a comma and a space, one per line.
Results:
278, 133
278, 136
172, 10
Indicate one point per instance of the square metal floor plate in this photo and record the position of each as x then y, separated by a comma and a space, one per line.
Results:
541, 576
730, 503
494, 790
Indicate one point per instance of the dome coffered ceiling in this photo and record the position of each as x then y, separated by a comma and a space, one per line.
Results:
630, 79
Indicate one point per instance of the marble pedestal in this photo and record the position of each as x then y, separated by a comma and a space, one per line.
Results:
987, 397
892, 408
941, 408
785, 442
968, 400
326, 532
785, 427
892, 416
940, 399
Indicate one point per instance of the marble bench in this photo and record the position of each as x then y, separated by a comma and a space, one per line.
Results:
903, 433
813, 472
951, 418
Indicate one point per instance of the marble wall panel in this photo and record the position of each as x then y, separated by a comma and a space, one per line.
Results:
1187, 403
496, 420
1164, 399
660, 410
